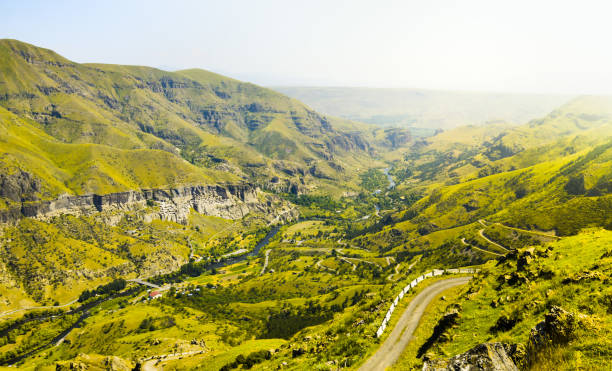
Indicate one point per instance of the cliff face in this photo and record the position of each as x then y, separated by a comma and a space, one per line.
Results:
230, 201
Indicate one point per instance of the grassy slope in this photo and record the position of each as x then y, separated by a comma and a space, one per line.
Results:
530, 185
203, 117
531, 168
91, 168
36, 255
586, 293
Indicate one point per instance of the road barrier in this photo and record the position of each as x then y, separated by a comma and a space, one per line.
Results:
413, 284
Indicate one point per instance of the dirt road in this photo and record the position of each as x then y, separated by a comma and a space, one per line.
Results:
392, 348
479, 249
481, 233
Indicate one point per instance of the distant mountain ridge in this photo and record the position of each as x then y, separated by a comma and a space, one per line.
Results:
433, 109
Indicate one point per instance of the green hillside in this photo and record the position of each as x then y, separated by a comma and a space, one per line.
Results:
221, 126
563, 284
57, 167
551, 174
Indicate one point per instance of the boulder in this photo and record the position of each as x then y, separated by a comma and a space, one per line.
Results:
70, 366
558, 327
488, 356
297, 352
524, 259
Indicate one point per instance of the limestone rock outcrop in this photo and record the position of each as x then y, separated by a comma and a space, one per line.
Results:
229, 201
488, 356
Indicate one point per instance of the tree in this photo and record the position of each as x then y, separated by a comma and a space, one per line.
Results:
575, 185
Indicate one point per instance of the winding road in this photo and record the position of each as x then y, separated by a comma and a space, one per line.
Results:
367, 262
396, 269
534, 232
348, 261
40, 307
481, 233
479, 249
392, 348
319, 265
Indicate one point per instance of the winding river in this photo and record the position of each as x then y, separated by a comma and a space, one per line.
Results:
389, 178
236, 259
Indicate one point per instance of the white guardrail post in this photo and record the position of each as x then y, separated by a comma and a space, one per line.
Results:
411, 285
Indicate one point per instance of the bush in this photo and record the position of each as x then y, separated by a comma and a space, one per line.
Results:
249, 361
575, 185
112, 287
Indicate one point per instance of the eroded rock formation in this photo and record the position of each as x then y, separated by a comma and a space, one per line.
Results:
229, 201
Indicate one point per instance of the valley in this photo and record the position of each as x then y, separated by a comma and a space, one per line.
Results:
190, 221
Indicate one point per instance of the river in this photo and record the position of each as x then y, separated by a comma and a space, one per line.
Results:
389, 178
233, 260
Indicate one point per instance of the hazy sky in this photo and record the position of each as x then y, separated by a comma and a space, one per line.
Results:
515, 45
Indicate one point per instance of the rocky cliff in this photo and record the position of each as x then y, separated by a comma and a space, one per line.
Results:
229, 201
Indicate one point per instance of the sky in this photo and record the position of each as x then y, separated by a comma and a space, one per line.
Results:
535, 46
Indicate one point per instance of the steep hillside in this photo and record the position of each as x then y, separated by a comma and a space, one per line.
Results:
528, 205
215, 123
484, 150
34, 165
185, 220
126, 152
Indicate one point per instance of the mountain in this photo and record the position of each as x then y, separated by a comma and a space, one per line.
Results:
198, 123
429, 109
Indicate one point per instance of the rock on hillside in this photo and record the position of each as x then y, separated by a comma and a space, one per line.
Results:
488, 356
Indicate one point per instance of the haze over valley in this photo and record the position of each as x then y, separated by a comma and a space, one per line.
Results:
425, 109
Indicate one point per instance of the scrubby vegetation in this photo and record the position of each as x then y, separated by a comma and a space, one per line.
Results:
112, 287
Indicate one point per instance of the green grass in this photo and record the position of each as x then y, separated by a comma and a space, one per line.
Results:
90, 168
104, 128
